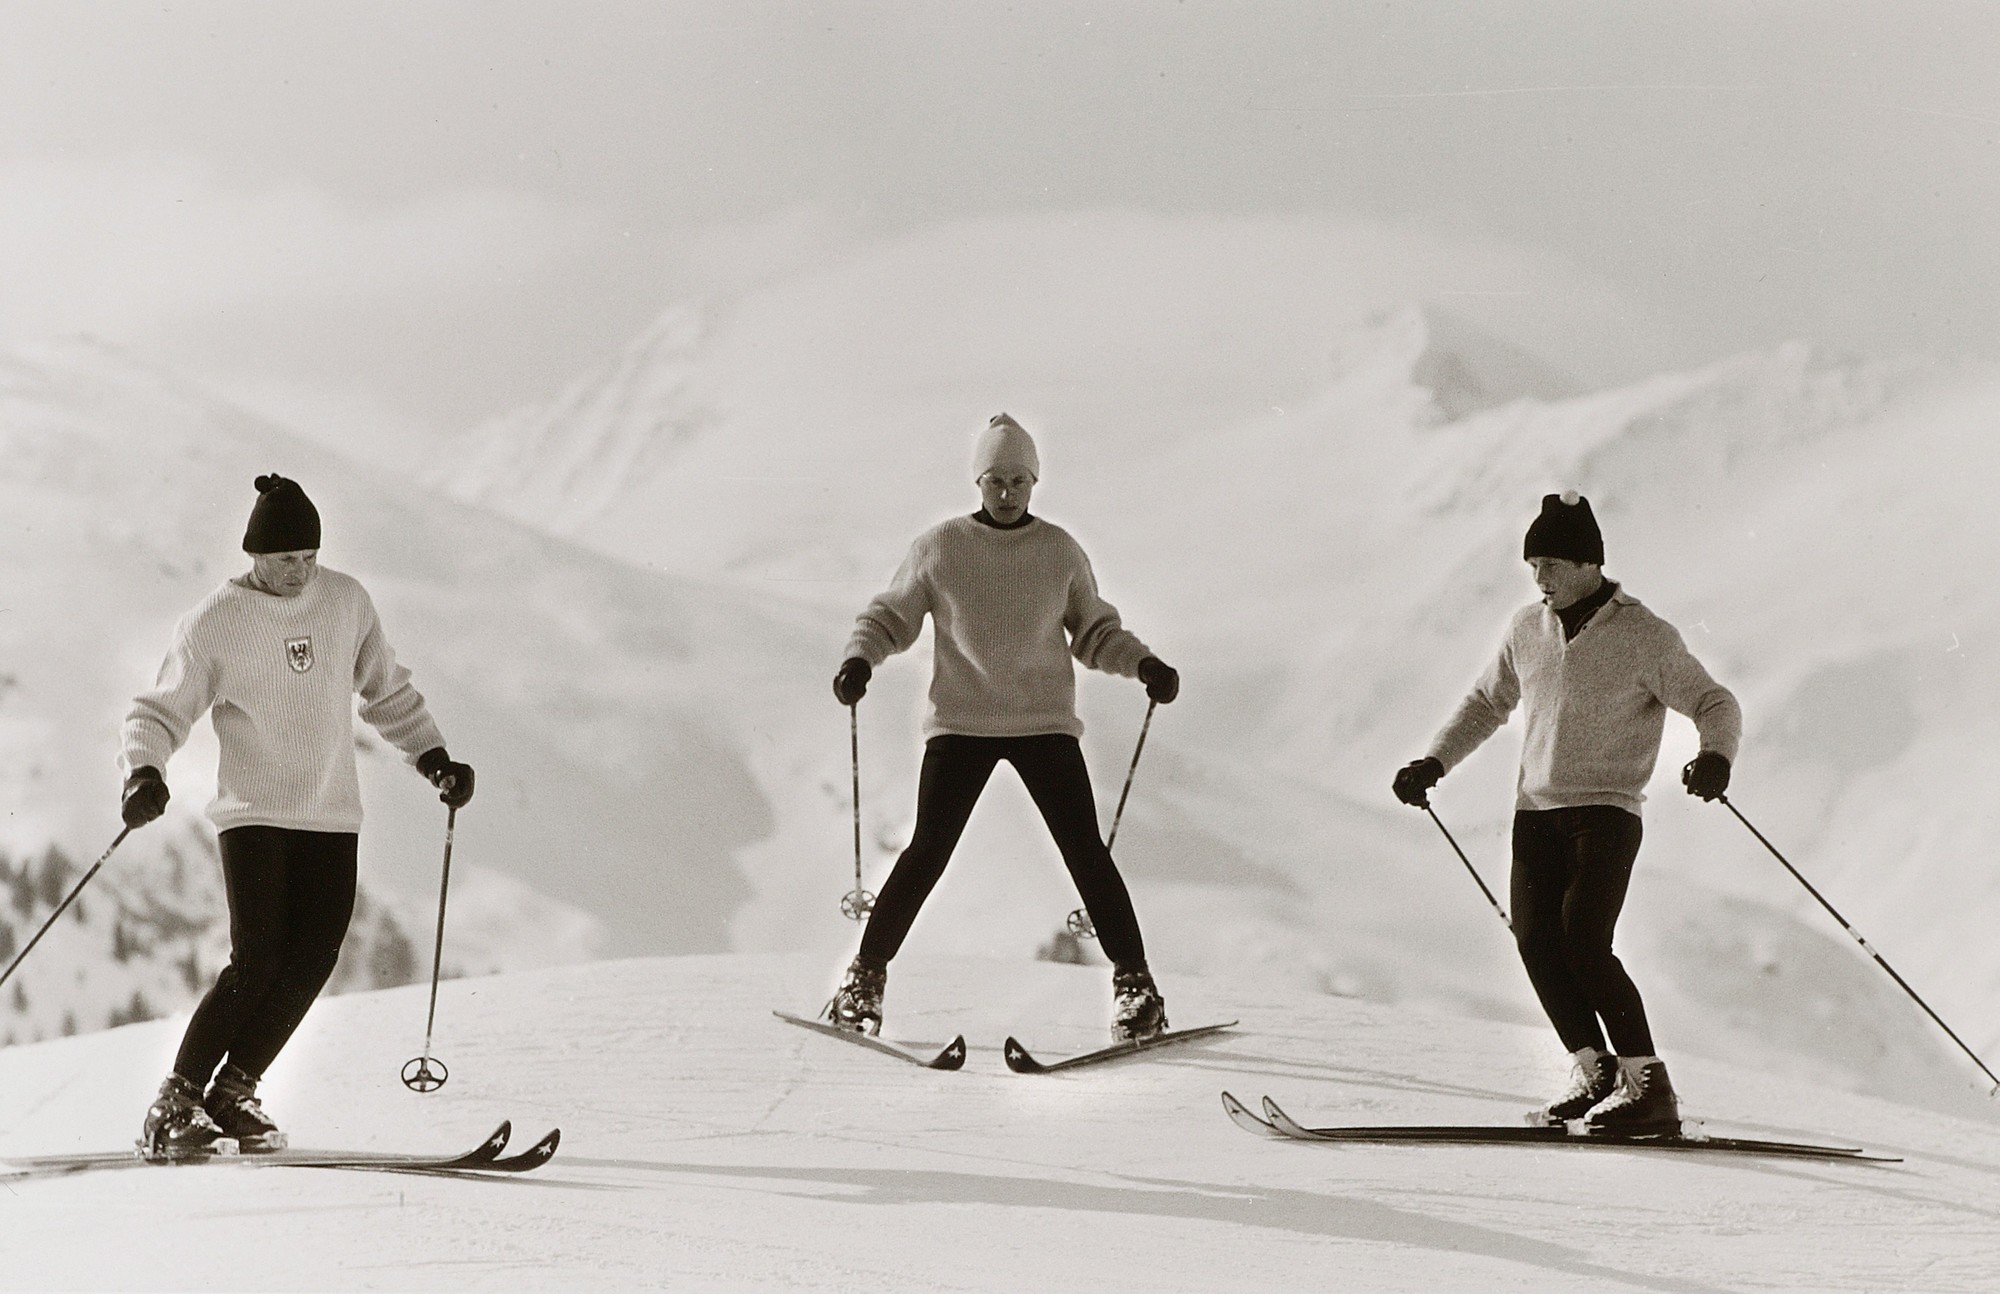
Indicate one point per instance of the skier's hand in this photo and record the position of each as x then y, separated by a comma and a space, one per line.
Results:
145, 796
1163, 681
1415, 779
851, 683
1706, 775
451, 778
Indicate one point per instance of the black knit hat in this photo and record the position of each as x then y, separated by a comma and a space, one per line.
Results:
1566, 529
283, 520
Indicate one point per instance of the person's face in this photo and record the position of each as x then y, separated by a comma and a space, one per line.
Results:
1563, 581
1005, 494
285, 574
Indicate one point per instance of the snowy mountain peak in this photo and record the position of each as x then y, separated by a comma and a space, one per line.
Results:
563, 463
1464, 368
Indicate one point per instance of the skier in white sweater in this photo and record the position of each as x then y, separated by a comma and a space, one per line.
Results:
1595, 673
275, 656
1012, 599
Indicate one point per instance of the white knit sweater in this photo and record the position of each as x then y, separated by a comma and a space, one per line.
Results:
1010, 607
1596, 705
279, 676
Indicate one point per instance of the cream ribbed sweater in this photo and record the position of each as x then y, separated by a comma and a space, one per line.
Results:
1010, 607
1596, 705
279, 676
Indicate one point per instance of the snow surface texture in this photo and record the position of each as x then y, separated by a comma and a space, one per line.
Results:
708, 1146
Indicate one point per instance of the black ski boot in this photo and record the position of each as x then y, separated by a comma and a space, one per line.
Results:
178, 1128
857, 1005
232, 1102
1593, 1077
1645, 1104
1138, 1010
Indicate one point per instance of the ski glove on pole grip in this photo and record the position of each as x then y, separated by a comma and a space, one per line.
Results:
1706, 775
451, 778
851, 683
145, 796
1163, 681
1415, 779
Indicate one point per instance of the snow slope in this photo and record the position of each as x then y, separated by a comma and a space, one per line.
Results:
709, 1146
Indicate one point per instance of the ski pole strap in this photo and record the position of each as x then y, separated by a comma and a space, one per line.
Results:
1476, 879
1865, 945
1119, 815
63, 906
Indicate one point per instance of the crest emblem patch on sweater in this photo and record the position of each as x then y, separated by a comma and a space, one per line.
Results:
299, 652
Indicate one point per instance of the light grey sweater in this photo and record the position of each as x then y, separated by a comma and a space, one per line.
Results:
1010, 607
1596, 705
280, 676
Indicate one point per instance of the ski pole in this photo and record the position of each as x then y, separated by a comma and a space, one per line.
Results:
1079, 921
857, 903
63, 906
1865, 945
423, 1073
1469, 867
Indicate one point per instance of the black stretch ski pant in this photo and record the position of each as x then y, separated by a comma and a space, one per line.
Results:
955, 771
1571, 870
291, 895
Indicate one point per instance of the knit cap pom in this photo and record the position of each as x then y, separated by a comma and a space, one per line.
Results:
1570, 497
268, 482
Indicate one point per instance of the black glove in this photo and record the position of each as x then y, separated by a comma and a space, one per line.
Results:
145, 796
851, 683
1706, 775
1163, 681
1415, 779
447, 775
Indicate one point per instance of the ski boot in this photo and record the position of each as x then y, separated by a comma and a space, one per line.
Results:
1138, 1010
1644, 1105
857, 1005
178, 1128
232, 1102
1593, 1077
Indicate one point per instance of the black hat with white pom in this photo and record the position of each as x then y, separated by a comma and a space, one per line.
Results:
284, 520
1566, 529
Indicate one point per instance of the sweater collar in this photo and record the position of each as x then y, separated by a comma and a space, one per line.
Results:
1578, 613
985, 518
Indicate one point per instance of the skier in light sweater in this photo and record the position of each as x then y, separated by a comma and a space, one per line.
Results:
276, 656
1595, 673
1012, 599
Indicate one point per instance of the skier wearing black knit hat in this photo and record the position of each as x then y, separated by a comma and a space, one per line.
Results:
1595, 673
276, 656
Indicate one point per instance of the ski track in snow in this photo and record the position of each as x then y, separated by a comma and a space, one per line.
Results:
707, 1145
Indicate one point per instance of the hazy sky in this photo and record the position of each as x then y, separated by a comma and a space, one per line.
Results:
416, 214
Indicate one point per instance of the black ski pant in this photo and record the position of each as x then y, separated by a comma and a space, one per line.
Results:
291, 895
1571, 870
955, 771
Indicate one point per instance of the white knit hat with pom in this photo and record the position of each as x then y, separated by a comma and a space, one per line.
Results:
1004, 448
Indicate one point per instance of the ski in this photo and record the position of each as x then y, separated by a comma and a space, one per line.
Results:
483, 1159
952, 1057
1277, 1123
1021, 1062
